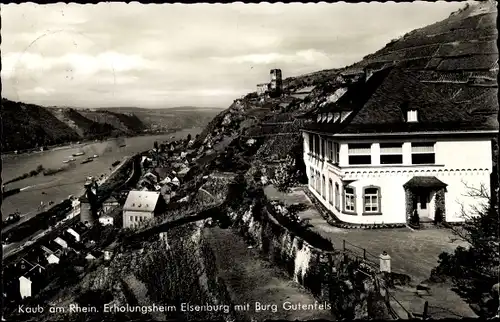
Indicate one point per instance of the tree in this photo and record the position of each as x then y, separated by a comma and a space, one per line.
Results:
189, 138
156, 145
474, 270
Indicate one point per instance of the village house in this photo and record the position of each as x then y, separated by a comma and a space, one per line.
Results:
36, 256
391, 146
302, 93
262, 88
109, 203
52, 257
31, 278
92, 255
111, 218
182, 173
153, 178
61, 242
74, 234
106, 220
141, 206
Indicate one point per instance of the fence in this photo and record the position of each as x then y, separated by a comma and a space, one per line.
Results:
367, 256
372, 260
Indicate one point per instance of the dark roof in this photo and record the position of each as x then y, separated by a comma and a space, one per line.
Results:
111, 200
357, 94
447, 71
424, 182
440, 106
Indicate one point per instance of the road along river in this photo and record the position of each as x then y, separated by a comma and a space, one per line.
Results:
69, 182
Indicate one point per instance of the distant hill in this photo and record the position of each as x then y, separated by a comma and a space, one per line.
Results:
29, 126
162, 119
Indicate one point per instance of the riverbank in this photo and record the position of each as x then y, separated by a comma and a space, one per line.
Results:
34, 220
38, 189
83, 143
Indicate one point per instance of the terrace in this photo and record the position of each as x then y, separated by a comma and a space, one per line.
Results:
413, 253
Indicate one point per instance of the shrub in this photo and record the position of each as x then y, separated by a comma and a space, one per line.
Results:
474, 270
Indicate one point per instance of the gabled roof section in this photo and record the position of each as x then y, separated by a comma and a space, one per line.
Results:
111, 200
141, 201
424, 182
356, 95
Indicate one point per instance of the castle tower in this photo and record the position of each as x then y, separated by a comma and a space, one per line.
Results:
88, 203
85, 212
276, 82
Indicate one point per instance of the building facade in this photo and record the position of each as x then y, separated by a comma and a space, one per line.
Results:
368, 163
262, 88
384, 179
109, 204
139, 207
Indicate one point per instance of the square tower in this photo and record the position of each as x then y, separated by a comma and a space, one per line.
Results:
276, 81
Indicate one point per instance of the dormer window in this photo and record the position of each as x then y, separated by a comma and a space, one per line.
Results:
344, 115
336, 117
411, 116
319, 118
330, 117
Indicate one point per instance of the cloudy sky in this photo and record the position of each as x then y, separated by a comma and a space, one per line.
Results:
116, 54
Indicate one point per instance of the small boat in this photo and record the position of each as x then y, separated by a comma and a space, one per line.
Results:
87, 160
122, 145
69, 160
78, 154
95, 156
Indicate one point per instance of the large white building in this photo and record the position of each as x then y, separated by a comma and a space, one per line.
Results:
139, 207
392, 144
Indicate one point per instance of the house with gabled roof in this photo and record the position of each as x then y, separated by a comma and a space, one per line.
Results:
109, 203
393, 146
30, 279
61, 242
93, 254
141, 206
73, 234
416, 132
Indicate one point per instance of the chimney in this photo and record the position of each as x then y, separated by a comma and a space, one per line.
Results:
412, 115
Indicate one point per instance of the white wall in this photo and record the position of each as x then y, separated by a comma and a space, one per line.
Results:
53, 259
106, 221
127, 214
464, 154
24, 287
393, 203
458, 163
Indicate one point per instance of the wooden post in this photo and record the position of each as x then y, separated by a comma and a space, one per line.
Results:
426, 310
364, 254
343, 245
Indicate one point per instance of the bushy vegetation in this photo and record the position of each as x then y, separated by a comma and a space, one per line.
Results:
51, 172
41, 221
32, 173
474, 270
288, 217
27, 126
176, 274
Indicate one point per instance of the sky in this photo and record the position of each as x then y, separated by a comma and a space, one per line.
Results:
203, 55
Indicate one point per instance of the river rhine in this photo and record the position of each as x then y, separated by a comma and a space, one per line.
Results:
69, 182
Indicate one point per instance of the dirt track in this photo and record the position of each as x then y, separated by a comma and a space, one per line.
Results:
252, 279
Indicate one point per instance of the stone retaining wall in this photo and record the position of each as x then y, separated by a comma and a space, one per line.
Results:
344, 281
